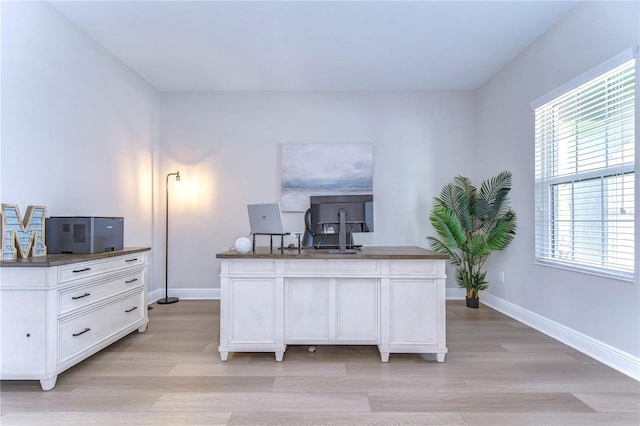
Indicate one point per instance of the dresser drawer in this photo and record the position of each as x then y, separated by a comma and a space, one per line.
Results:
77, 297
89, 269
78, 333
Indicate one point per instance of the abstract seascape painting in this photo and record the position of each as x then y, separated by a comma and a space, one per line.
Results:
324, 169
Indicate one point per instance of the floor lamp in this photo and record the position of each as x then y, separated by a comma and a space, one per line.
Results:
167, 300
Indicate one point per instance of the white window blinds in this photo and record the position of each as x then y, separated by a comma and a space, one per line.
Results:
585, 174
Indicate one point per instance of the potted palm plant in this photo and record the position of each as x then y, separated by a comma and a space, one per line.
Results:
472, 223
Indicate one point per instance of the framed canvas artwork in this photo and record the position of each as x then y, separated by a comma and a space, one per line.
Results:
323, 169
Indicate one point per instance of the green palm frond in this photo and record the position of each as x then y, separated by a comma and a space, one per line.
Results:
448, 226
494, 193
465, 195
446, 196
455, 196
477, 246
503, 232
481, 280
439, 246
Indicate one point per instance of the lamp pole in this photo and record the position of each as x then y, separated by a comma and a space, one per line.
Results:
167, 300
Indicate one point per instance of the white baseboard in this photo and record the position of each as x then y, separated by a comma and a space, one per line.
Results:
456, 293
622, 361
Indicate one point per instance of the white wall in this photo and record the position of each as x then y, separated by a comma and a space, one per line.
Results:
602, 309
227, 147
78, 127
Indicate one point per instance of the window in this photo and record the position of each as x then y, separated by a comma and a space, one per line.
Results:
585, 172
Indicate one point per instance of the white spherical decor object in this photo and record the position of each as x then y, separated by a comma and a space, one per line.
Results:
243, 245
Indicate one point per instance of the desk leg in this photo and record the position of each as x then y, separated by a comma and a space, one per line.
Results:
48, 384
224, 356
440, 357
384, 356
279, 356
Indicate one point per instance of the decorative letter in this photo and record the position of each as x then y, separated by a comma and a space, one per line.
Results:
23, 238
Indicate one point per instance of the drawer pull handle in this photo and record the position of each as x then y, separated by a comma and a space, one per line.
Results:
80, 297
131, 281
82, 332
131, 260
75, 271
132, 309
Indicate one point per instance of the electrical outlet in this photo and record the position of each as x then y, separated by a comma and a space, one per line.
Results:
501, 276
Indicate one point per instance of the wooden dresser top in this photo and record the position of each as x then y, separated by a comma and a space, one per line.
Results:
66, 259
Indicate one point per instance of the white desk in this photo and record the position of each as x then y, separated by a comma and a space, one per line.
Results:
392, 297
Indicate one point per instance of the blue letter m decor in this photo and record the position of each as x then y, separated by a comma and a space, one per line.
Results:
23, 238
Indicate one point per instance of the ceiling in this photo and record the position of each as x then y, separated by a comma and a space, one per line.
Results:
314, 45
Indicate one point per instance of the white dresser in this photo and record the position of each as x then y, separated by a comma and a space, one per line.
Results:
391, 297
60, 309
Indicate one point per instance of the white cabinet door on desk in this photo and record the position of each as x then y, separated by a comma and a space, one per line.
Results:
415, 319
252, 321
253, 304
308, 309
413, 312
331, 310
357, 310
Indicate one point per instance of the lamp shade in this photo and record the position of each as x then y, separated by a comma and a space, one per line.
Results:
243, 245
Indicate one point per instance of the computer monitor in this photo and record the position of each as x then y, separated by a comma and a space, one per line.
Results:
339, 216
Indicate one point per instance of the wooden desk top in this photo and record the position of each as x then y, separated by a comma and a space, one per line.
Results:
66, 259
368, 252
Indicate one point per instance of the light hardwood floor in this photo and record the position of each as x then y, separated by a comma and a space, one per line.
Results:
497, 372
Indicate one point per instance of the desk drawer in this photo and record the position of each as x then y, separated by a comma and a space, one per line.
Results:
89, 269
431, 268
78, 334
252, 267
332, 267
73, 298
